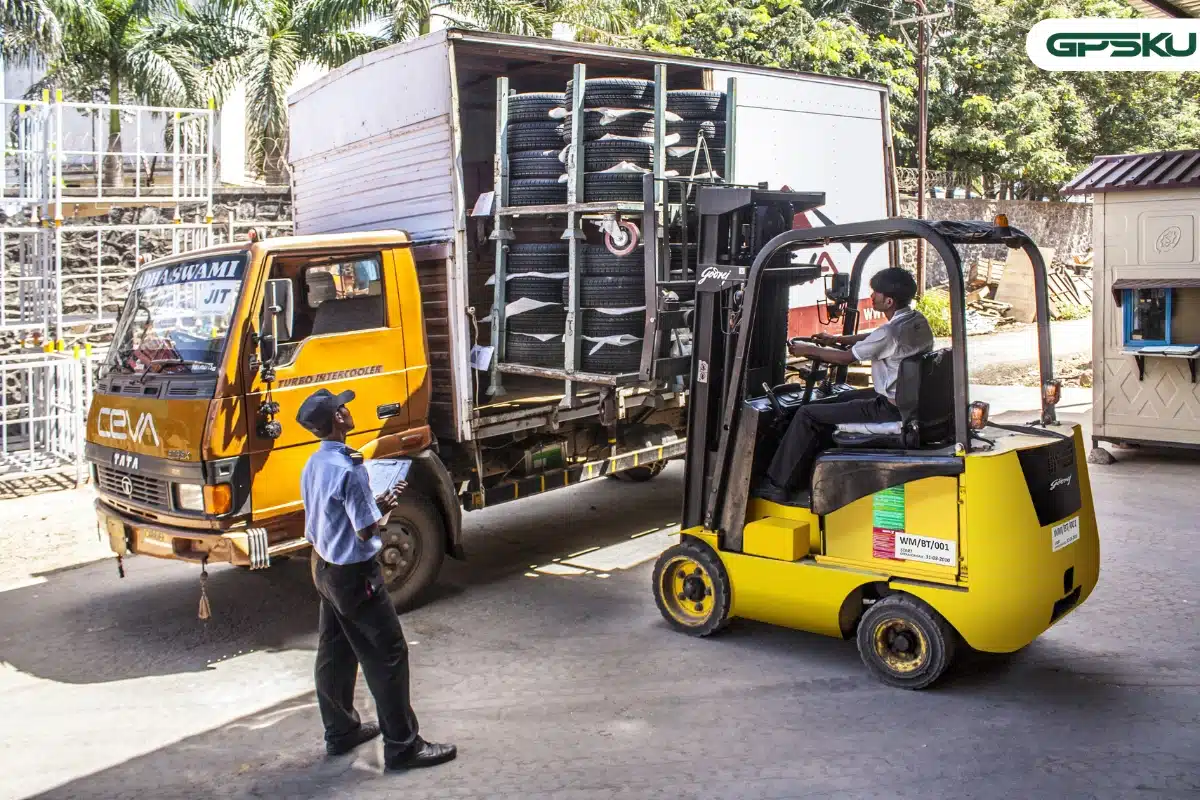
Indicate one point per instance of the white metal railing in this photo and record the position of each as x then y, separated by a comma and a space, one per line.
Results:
94, 265
43, 413
233, 230
60, 153
27, 294
24, 132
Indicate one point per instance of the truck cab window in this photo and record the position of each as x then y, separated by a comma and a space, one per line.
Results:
333, 296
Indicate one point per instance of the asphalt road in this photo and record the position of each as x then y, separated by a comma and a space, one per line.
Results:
560, 682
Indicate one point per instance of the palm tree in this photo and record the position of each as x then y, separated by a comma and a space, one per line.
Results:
119, 51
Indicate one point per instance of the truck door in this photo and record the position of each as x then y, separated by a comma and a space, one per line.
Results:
347, 334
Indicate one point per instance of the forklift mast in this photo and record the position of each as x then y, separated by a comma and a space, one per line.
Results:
736, 223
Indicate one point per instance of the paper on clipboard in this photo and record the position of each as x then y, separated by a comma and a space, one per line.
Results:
384, 473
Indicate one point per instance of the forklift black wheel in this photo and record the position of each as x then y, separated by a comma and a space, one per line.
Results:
414, 546
904, 642
691, 588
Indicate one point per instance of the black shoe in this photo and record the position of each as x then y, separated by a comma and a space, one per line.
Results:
424, 754
365, 733
767, 489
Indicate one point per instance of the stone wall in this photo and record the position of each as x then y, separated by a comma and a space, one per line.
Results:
1065, 227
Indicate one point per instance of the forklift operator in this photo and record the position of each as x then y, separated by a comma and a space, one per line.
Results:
906, 333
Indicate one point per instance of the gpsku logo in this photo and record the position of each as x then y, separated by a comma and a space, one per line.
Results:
1112, 45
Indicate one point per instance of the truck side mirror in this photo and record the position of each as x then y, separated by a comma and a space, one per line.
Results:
278, 310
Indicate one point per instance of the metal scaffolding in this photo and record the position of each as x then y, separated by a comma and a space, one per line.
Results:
66, 263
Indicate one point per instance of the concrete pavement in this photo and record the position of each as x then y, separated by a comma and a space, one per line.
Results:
560, 681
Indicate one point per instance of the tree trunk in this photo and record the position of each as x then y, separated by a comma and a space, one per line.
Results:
275, 169
113, 168
426, 25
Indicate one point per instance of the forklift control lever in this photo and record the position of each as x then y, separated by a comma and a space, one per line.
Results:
775, 406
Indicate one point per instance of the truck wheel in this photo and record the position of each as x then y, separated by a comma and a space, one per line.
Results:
904, 642
639, 474
414, 546
691, 588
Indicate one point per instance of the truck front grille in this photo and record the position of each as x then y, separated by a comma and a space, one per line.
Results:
135, 488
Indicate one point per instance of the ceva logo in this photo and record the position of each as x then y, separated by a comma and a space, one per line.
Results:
1115, 45
115, 423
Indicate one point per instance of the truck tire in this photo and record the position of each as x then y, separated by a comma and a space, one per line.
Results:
547, 319
636, 124
607, 153
533, 352
608, 291
597, 323
697, 104
603, 187
537, 192
534, 106
683, 164
639, 474
690, 132
613, 93
548, 290
612, 359
537, 257
596, 259
535, 164
414, 546
523, 136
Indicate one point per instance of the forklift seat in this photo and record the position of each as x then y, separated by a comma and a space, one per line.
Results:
925, 397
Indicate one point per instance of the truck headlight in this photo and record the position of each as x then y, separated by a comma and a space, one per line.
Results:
189, 496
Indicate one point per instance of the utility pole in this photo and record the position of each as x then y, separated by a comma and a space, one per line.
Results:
921, 48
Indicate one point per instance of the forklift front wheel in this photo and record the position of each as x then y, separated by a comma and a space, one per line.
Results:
904, 642
691, 588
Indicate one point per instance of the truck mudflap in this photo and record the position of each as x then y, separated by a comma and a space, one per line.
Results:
474, 499
245, 547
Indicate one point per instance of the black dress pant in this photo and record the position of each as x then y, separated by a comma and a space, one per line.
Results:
359, 625
812, 427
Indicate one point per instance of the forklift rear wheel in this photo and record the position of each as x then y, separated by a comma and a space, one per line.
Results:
691, 589
414, 546
904, 642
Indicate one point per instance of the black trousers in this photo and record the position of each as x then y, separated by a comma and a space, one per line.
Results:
812, 427
359, 625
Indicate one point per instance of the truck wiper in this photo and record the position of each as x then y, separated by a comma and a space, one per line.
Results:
175, 362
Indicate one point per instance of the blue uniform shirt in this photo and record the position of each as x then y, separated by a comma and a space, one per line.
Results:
337, 504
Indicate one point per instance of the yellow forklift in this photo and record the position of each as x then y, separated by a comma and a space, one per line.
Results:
942, 529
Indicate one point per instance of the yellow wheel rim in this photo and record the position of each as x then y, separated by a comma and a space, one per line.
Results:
901, 646
687, 591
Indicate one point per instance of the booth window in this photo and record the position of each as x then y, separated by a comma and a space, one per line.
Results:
1162, 316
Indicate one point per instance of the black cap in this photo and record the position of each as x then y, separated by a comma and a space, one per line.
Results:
316, 412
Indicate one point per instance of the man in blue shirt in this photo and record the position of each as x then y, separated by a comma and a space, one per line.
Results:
358, 624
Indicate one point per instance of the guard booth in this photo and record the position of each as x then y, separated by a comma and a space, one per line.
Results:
1146, 320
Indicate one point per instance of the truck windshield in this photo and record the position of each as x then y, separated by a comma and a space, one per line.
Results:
178, 315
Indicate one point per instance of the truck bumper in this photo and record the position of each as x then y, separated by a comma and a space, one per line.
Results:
242, 547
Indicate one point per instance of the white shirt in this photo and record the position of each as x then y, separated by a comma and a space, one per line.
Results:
906, 334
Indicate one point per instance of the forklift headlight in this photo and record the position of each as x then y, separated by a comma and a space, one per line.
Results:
979, 415
1051, 392
189, 497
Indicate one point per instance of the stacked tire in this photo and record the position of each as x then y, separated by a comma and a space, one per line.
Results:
534, 337
534, 147
619, 134
609, 283
703, 118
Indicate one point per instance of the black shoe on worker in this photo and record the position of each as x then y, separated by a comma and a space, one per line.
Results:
768, 490
363, 734
424, 754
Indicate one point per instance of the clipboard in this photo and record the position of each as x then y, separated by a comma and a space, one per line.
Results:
384, 473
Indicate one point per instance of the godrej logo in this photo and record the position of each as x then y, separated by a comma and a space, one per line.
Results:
1115, 45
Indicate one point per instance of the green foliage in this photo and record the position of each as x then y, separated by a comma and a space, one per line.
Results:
935, 305
1072, 311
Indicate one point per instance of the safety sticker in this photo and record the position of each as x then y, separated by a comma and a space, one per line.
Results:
887, 520
943, 552
1065, 534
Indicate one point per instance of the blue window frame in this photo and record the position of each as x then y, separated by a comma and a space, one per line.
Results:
1148, 317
